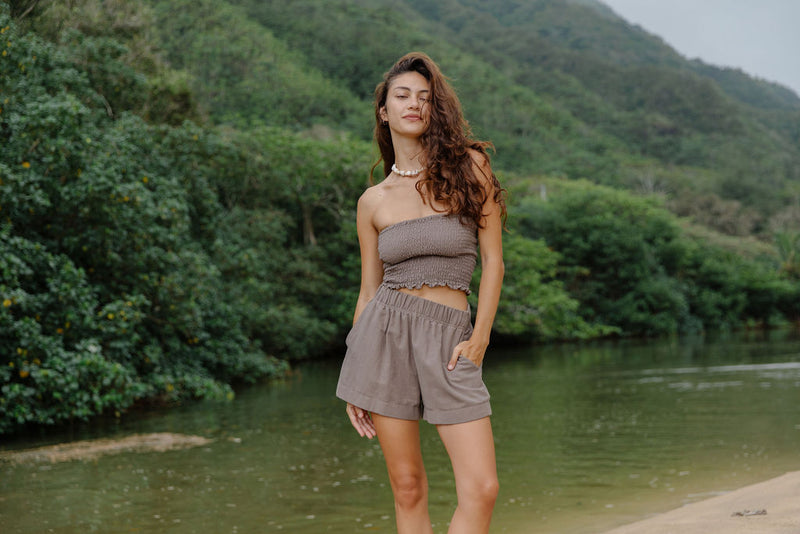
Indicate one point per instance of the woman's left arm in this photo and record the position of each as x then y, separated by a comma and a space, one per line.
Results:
490, 240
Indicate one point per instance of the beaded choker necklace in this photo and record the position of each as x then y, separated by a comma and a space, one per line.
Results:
406, 173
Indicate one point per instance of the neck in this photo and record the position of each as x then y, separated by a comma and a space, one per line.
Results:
407, 153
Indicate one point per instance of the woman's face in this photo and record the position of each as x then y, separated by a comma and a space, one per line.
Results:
407, 110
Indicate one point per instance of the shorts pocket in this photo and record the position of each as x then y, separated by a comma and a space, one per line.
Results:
466, 332
466, 361
466, 384
361, 318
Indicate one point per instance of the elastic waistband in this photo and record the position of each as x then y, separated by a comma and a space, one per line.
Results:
421, 306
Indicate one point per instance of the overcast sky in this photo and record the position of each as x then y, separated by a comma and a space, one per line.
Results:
761, 37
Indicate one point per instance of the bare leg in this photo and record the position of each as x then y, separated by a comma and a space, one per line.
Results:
399, 440
471, 449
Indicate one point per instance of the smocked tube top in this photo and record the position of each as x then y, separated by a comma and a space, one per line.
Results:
435, 250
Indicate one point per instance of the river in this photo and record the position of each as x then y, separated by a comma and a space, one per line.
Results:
589, 436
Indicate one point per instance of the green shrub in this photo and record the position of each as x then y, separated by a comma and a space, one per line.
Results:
534, 304
629, 264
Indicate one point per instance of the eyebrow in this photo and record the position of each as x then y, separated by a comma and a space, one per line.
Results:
409, 89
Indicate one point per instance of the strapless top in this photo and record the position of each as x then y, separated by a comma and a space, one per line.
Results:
436, 250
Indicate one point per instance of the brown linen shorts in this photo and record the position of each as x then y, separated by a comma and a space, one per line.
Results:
396, 362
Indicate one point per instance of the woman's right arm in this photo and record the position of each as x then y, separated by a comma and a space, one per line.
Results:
371, 264
371, 277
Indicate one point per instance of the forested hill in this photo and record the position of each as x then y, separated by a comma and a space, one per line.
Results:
561, 87
178, 185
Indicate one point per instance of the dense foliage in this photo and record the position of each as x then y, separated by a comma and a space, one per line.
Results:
628, 262
177, 199
109, 245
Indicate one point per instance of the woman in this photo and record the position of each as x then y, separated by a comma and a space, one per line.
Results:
412, 352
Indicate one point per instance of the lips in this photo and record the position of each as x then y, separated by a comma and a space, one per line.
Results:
412, 117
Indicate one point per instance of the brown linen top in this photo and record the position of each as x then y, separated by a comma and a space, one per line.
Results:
436, 250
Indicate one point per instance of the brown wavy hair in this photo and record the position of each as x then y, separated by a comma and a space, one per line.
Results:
449, 176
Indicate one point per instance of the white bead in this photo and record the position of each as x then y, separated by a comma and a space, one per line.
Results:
406, 173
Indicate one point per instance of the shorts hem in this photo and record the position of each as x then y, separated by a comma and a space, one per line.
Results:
458, 415
380, 407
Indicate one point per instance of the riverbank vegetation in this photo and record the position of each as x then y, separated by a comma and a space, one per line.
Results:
178, 184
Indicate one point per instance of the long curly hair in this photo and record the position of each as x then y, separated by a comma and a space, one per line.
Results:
449, 176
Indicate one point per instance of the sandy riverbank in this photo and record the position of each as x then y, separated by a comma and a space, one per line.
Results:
93, 449
779, 497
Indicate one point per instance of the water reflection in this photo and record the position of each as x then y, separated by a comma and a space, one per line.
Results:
589, 436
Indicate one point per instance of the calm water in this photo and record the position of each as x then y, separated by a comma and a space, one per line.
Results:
588, 437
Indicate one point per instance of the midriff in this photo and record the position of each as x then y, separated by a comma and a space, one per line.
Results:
440, 294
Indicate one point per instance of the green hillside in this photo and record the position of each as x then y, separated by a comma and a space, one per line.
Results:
178, 182
560, 87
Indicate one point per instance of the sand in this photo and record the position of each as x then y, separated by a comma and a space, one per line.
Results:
779, 498
93, 449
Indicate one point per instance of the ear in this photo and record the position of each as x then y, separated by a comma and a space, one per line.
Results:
382, 113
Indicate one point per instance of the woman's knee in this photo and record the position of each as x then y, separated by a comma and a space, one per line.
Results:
483, 492
490, 489
410, 489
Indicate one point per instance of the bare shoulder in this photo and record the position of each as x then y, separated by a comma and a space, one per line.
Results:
371, 196
482, 168
478, 157
369, 201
